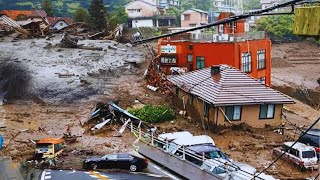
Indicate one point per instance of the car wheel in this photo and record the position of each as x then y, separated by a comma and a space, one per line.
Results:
133, 168
94, 166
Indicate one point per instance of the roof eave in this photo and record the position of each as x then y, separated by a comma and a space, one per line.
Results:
251, 103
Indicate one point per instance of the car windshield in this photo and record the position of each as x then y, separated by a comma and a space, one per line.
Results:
110, 156
219, 170
214, 154
172, 147
44, 145
308, 154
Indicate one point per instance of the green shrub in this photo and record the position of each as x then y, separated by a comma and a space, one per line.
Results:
153, 114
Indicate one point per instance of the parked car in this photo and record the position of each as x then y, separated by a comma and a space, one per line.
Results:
209, 151
301, 155
169, 137
176, 144
233, 170
116, 161
312, 138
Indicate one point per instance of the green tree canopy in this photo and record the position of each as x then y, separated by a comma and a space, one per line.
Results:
173, 11
118, 16
81, 15
46, 5
205, 5
251, 4
276, 26
98, 15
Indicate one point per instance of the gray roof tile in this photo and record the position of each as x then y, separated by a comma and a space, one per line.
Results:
231, 88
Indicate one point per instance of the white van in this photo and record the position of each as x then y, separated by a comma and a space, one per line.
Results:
169, 137
300, 154
175, 135
233, 170
194, 140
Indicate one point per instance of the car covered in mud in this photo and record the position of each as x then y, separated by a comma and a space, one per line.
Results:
300, 155
116, 161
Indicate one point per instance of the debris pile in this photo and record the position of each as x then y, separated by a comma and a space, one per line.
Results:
68, 42
156, 79
109, 113
6, 30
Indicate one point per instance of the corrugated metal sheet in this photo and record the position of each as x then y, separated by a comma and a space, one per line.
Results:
9, 21
232, 87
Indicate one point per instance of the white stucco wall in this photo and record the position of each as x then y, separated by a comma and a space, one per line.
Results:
140, 9
142, 23
60, 24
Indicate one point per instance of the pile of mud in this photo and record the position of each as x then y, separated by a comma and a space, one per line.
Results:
15, 80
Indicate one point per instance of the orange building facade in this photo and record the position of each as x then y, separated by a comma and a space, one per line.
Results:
251, 56
231, 44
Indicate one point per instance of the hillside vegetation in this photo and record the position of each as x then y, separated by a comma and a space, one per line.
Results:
61, 7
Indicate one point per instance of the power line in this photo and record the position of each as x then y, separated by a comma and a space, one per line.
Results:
289, 147
222, 21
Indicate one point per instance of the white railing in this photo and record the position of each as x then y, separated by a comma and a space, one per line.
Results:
181, 153
210, 37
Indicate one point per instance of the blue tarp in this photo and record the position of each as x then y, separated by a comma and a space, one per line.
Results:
1, 142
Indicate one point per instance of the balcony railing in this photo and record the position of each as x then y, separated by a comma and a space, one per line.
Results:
209, 37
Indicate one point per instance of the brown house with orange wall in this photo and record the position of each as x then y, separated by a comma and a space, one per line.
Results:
223, 96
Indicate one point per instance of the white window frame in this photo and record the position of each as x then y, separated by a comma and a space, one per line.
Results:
261, 59
271, 108
246, 62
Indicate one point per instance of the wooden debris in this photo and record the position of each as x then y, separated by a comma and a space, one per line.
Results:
96, 35
68, 42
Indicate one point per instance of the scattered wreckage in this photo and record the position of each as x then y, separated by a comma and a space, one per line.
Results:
109, 113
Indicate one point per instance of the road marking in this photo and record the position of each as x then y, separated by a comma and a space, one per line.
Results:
48, 173
72, 172
98, 175
164, 172
47, 177
43, 174
93, 176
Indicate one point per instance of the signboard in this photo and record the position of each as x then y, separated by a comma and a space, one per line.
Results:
168, 49
307, 21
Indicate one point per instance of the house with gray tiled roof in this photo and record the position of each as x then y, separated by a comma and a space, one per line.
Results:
223, 95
